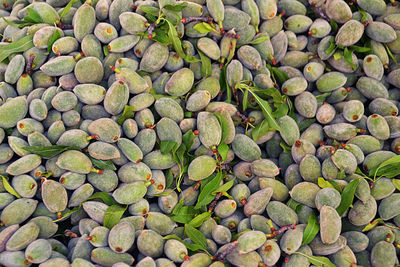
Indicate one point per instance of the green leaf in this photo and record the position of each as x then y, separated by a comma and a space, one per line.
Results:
347, 196
168, 146
177, 44
8, 187
318, 260
199, 219
67, 8
386, 168
224, 126
224, 85
348, 56
225, 187
332, 46
311, 229
105, 50
205, 65
372, 225
281, 110
261, 38
149, 10
396, 183
106, 198
188, 139
196, 236
245, 101
363, 15
281, 75
390, 54
56, 35
304, 124
33, 16
169, 178
161, 36
324, 183
267, 111
113, 215
334, 25
321, 98
292, 204
185, 214
191, 247
341, 174
176, 7
128, 113
68, 213
360, 49
49, 151
223, 149
21, 45
103, 164
204, 27
260, 130
205, 196
285, 147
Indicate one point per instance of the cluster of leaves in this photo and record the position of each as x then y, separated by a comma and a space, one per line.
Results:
165, 31
54, 150
113, 213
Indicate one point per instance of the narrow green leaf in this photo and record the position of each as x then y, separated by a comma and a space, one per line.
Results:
390, 53
8, 187
332, 46
106, 198
67, 8
128, 113
105, 50
318, 260
321, 98
224, 126
188, 139
223, 149
204, 27
196, 236
372, 225
21, 45
113, 215
185, 214
386, 166
260, 130
199, 219
334, 25
169, 178
205, 196
304, 124
267, 111
103, 164
347, 196
360, 49
56, 35
311, 229
33, 16
324, 183
281, 75
245, 101
348, 56
177, 44
285, 147
49, 151
396, 183
168, 146
68, 213
261, 38
205, 64
225, 187
293, 204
